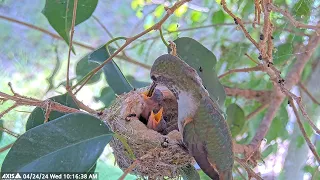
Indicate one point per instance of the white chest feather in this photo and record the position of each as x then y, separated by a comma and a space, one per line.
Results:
186, 108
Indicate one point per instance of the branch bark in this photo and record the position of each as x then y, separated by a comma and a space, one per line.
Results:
292, 78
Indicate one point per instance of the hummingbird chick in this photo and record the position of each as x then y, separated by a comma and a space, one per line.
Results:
156, 121
153, 99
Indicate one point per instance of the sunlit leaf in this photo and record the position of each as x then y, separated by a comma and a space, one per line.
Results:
181, 10
71, 143
60, 12
173, 27
158, 11
137, 3
204, 61
37, 116
195, 16
302, 8
218, 17
235, 119
113, 74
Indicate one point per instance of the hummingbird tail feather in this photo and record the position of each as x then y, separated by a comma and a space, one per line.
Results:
206, 167
226, 175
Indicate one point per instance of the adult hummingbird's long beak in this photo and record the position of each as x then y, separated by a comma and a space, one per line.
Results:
156, 121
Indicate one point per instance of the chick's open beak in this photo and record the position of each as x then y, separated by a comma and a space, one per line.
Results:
155, 119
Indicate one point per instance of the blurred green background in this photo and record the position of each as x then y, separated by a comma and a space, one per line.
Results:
35, 64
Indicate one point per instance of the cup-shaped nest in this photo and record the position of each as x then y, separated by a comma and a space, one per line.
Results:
159, 155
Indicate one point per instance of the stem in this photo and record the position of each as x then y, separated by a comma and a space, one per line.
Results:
71, 38
130, 40
162, 38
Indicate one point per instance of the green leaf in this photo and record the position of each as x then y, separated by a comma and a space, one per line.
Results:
203, 176
188, 172
278, 125
195, 16
37, 116
107, 96
302, 8
235, 119
283, 53
60, 12
300, 141
196, 55
71, 143
135, 83
84, 66
218, 17
1, 132
113, 74
270, 149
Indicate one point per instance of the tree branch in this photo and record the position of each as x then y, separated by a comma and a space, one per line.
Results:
314, 100
55, 36
6, 147
292, 78
303, 131
9, 132
256, 68
257, 111
239, 21
131, 39
42, 104
294, 22
74, 15
259, 95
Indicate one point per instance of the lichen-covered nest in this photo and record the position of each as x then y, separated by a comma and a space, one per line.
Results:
159, 155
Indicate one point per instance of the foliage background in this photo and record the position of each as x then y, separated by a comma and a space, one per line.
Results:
28, 57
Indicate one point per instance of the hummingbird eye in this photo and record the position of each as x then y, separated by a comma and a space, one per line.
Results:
153, 78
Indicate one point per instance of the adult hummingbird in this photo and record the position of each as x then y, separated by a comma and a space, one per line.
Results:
204, 130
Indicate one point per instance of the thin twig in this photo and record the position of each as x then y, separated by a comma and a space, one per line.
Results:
239, 172
303, 131
131, 39
251, 173
259, 95
294, 22
8, 110
74, 15
105, 29
256, 68
55, 36
241, 24
185, 29
124, 55
251, 58
6, 147
9, 132
81, 105
129, 169
308, 93
38, 103
257, 111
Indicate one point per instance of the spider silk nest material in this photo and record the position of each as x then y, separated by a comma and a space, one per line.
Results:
159, 155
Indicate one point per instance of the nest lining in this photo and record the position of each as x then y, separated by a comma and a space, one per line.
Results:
159, 155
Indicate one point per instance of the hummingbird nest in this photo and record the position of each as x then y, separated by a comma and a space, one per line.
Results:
158, 155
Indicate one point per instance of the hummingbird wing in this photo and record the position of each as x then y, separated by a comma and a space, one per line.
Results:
208, 139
